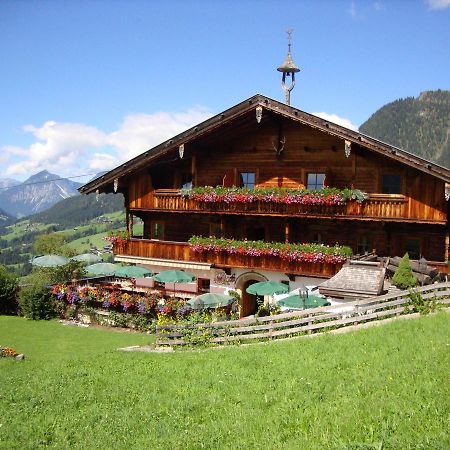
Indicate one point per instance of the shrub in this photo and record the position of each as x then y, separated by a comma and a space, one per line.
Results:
403, 277
36, 302
140, 322
8, 292
118, 319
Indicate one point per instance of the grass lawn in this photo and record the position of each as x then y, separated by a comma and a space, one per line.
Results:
380, 388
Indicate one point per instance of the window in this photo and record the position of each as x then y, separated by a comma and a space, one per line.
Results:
247, 179
186, 180
215, 230
203, 285
390, 183
362, 245
315, 181
157, 230
412, 247
256, 233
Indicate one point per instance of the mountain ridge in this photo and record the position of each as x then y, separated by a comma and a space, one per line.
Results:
37, 193
419, 125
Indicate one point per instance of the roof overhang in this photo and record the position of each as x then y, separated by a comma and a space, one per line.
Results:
105, 182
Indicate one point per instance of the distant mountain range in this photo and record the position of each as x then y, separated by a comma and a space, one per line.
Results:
418, 125
37, 193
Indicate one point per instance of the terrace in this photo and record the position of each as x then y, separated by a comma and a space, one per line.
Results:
394, 207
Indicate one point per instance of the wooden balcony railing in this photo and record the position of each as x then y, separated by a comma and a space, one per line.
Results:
377, 206
181, 251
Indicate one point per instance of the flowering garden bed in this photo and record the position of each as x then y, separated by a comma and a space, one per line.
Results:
326, 196
310, 253
141, 311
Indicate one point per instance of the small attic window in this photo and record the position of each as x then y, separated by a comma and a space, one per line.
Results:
390, 183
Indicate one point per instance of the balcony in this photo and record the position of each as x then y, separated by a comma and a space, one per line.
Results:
181, 251
376, 207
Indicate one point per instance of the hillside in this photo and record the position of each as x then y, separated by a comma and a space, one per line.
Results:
79, 209
419, 125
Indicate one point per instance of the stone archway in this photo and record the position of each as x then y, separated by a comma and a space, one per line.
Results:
248, 303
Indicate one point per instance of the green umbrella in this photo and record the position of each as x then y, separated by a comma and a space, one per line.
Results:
102, 269
295, 301
210, 300
87, 258
174, 276
49, 261
133, 272
268, 288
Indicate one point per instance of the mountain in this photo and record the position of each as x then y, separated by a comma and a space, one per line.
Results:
80, 209
420, 125
37, 193
8, 182
5, 218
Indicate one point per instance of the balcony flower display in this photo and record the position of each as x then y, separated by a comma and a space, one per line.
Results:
326, 196
311, 253
117, 237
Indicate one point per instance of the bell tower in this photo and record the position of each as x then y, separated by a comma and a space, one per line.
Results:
288, 69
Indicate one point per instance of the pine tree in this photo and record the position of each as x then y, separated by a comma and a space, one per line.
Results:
404, 277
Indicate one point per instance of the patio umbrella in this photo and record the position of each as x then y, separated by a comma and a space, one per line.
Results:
295, 301
174, 276
102, 269
133, 272
49, 261
87, 258
210, 300
268, 288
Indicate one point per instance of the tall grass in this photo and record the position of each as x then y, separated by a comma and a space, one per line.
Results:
384, 387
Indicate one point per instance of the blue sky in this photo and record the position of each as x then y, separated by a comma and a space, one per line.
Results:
86, 85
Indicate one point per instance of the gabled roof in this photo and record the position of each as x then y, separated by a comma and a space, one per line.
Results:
276, 107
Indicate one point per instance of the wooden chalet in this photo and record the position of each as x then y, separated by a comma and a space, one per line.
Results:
261, 142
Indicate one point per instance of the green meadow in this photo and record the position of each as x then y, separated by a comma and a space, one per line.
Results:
384, 387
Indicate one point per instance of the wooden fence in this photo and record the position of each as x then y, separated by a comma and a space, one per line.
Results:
301, 322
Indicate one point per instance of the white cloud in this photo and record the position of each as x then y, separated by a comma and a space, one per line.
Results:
438, 4
352, 11
102, 161
378, 6
140, 132
337, 119
75, 148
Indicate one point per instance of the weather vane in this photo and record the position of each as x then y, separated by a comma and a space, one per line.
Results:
288, 69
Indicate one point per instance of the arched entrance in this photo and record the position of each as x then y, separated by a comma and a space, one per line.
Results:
248, 303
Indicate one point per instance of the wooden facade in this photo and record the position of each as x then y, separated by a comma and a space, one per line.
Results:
285, 148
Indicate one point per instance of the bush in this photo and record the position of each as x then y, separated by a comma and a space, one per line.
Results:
8, 292
37, 303
403, 277
139, 322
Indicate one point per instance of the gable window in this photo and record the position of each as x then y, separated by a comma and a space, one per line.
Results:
247, 179
315, 181
157, 230
390, 183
